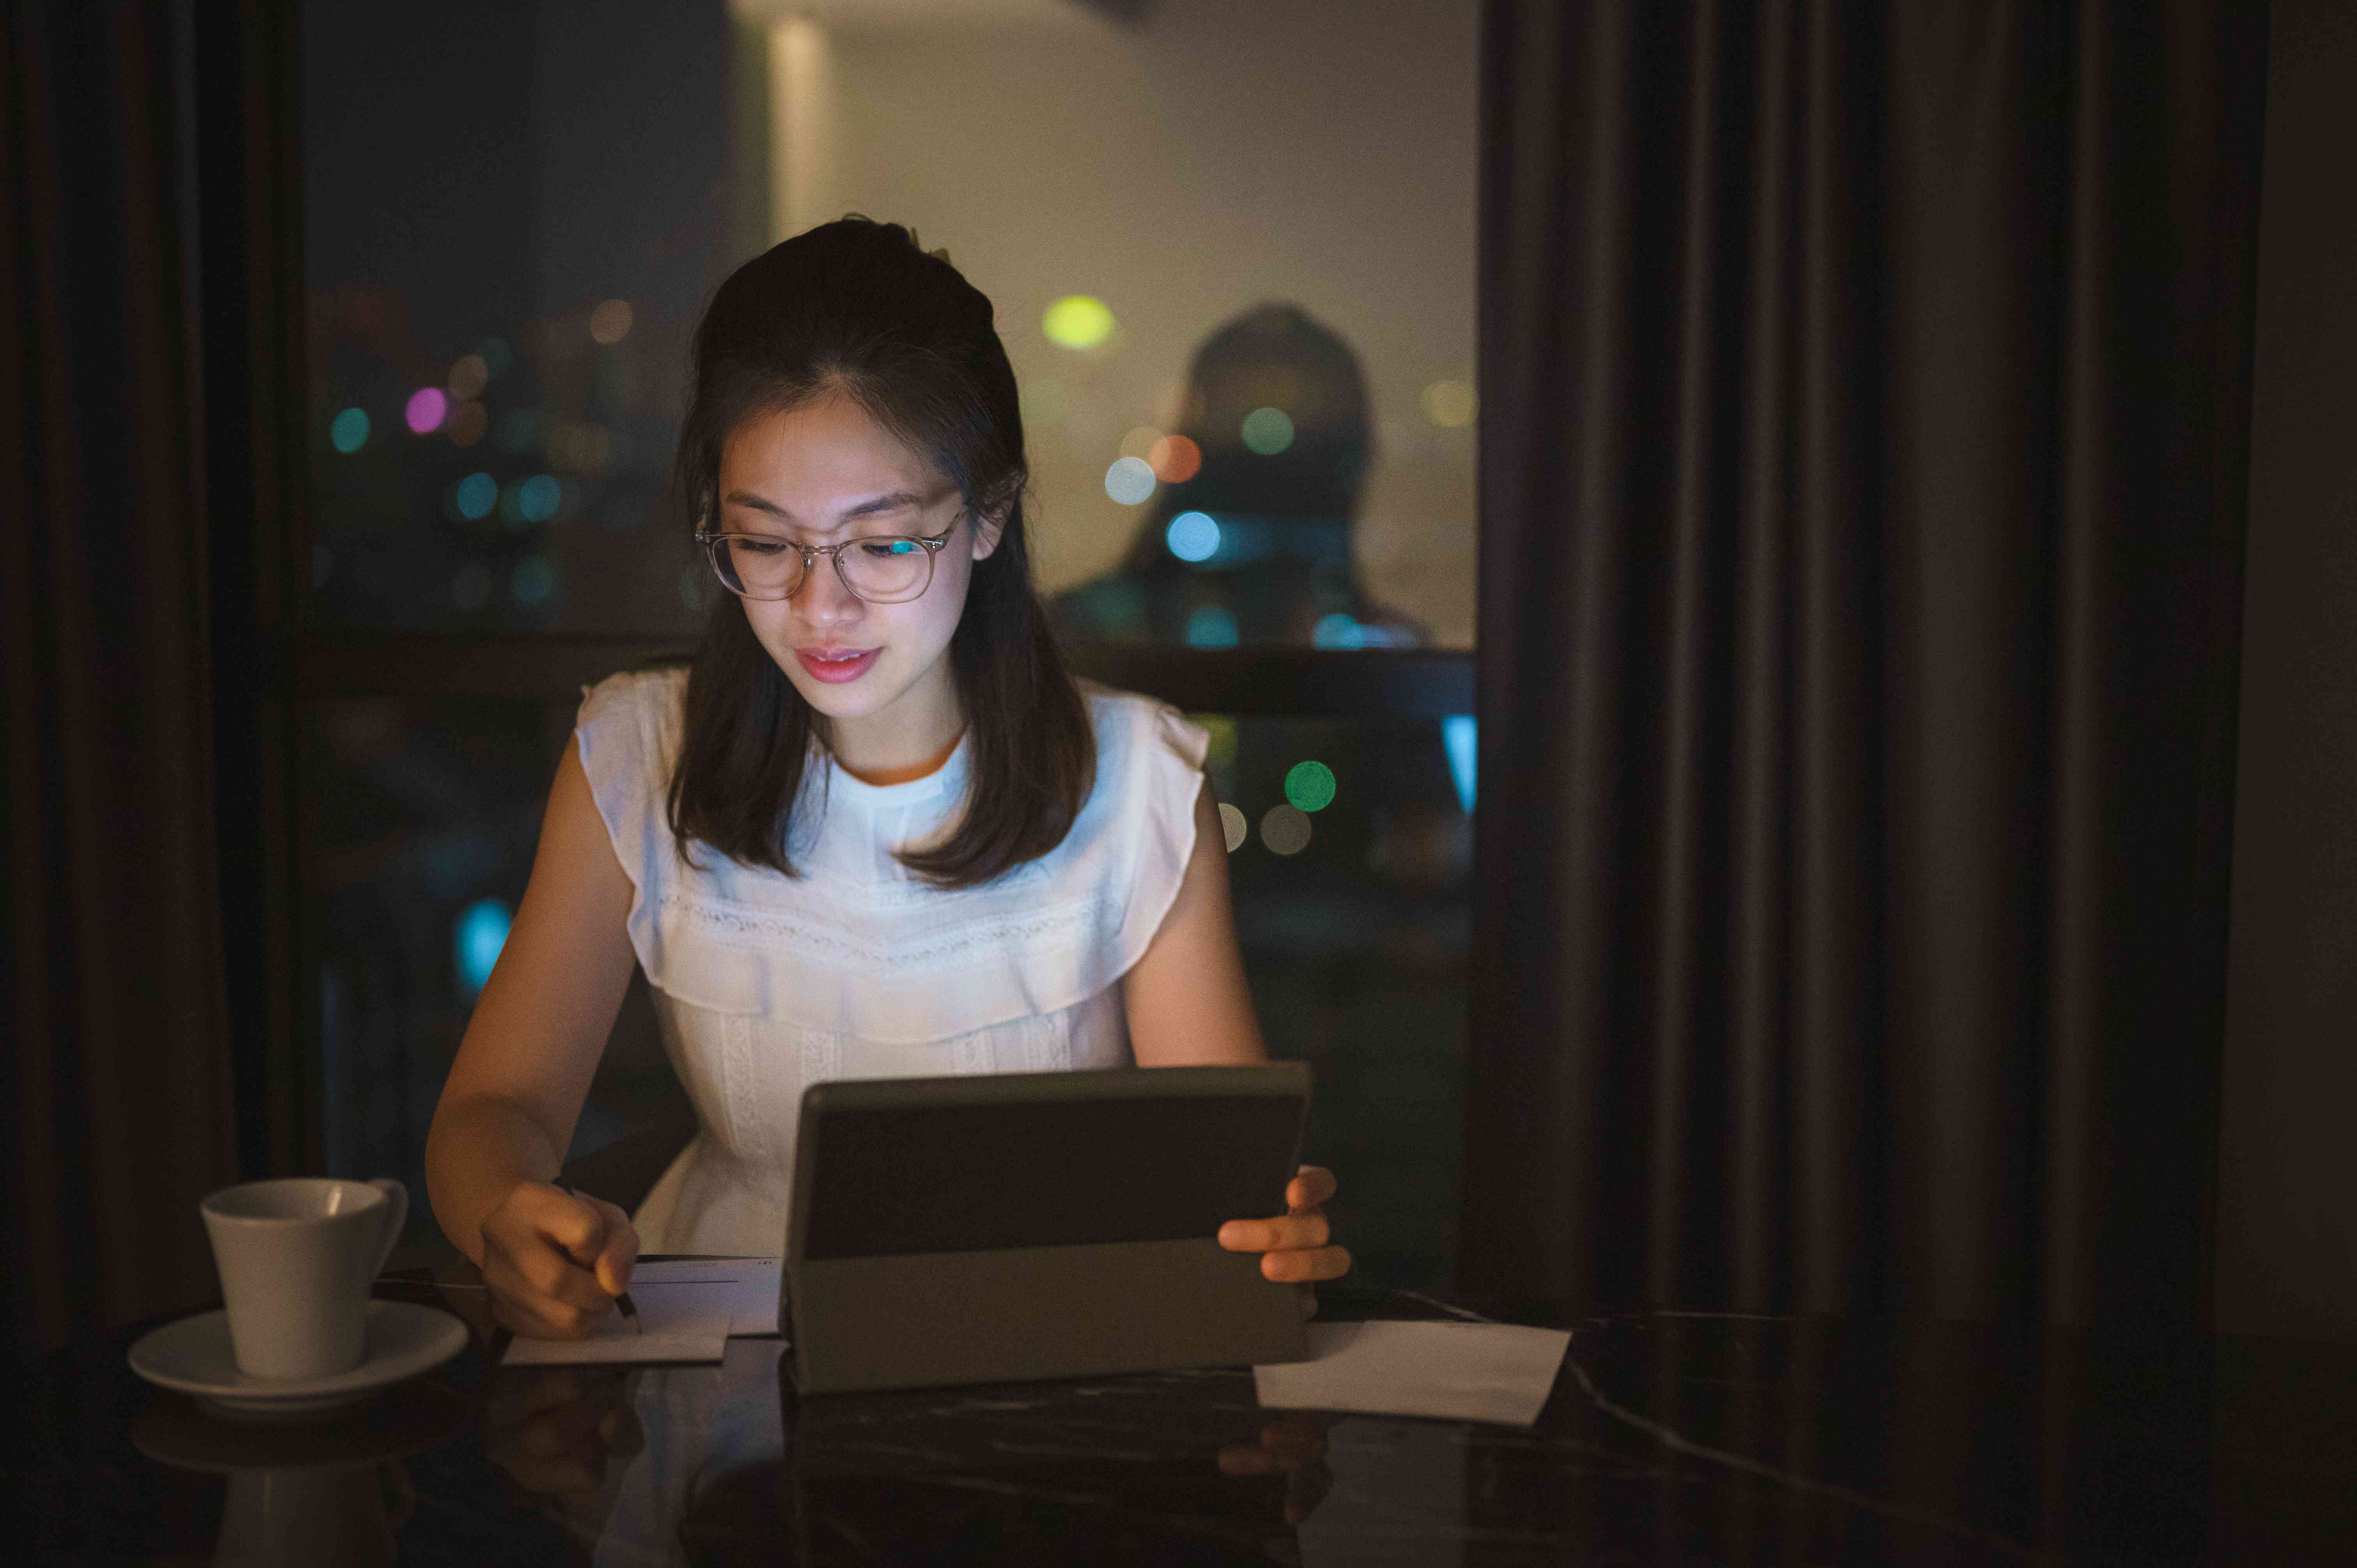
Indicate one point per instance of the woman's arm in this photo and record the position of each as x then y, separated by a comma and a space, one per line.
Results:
1188, 1005
553, 1261
1186, 999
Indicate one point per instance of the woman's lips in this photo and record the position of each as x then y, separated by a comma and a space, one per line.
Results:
835, 666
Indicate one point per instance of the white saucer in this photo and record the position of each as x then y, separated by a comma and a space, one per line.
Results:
193, 1356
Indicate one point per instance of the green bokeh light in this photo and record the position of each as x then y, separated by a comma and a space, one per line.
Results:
1268, 431
350, 431
1310, 786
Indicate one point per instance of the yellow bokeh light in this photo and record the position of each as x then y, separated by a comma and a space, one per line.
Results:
1139, 443
468, 421
1078, 321
469, 377
611, 322
1450, 404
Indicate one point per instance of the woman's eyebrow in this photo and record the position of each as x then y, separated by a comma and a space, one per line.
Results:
893, 501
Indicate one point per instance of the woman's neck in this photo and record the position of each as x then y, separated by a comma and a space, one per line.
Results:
907, 774
905, 741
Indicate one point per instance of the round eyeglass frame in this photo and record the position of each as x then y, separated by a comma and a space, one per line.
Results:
933, 544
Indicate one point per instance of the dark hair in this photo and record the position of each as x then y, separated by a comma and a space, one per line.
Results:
854, 308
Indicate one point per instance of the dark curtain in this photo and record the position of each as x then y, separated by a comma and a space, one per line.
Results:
117, 1111
1863, 399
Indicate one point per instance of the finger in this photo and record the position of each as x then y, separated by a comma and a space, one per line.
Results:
544, 1295
620, 1257
1313, 1187
1309, 1228
557, 1322
577, 1224
1306, 1264
544, 1278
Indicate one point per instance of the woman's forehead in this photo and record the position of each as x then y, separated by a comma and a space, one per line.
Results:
823, 456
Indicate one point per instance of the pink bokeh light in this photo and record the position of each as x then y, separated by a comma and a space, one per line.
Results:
428, 407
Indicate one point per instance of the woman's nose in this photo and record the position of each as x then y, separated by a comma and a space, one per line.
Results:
823, 601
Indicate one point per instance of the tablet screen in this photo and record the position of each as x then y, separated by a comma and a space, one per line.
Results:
964, 1178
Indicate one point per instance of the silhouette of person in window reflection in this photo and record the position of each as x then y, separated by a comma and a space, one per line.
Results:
1248, 538
1357, 938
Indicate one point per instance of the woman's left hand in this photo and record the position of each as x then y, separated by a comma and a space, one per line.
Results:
1295, 1246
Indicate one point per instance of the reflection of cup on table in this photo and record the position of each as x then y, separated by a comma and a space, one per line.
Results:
297, 1259
311, 1492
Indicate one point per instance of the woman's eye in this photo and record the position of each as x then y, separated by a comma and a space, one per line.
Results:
762, 547
881, 547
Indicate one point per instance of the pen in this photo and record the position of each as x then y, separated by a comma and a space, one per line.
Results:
622, 1302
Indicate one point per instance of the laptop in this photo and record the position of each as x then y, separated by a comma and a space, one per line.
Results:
1018, 1226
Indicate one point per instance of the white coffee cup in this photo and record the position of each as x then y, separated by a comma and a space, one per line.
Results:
297, 1259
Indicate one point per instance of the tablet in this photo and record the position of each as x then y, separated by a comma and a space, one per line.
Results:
1016, 1226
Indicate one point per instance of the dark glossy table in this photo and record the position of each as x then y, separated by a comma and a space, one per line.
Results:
1670, 1438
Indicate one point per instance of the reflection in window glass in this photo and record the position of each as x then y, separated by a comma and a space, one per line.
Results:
1352, 850
512, 214
418, 839
1231, 246
1232, 249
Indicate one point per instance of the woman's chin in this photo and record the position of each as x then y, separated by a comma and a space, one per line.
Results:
841, 699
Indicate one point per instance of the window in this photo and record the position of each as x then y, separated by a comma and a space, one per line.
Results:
1231, 253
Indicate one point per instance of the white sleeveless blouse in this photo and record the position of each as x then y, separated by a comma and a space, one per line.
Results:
765, 983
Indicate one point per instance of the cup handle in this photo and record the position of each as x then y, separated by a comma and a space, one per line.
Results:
396, 1217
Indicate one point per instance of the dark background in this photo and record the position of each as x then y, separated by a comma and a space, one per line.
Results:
161, 693
2288, 1176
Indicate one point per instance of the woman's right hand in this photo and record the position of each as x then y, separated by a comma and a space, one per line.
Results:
554, 1260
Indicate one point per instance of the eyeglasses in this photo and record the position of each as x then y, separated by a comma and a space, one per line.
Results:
884, 569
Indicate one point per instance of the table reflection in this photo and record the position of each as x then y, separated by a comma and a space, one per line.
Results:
1670, 1438
306, 1493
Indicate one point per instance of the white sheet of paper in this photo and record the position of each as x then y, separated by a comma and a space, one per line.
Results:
688, 1307
752, 1287
1457, 1371
680, 1323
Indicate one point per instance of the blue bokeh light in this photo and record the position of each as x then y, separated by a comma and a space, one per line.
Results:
1462, 740
1193, 536
1338, 630
1211, 625
477, 494
482, 931
537, 498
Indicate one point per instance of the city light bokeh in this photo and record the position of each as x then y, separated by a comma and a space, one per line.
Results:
1078, 321
426, 409
1193, 536
348, 432
1130, 481
1267, 430
1309, 786
481, 935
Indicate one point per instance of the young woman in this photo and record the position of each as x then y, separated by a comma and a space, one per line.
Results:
875, 831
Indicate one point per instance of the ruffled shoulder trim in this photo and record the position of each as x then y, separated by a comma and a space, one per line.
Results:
1159, 757
893, 960
628, 732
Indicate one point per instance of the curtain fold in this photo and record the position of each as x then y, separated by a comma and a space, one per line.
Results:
1864, 396
118, 1110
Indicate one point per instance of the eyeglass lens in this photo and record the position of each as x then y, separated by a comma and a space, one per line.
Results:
882, 570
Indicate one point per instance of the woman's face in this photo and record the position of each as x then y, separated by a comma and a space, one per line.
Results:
824, 473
